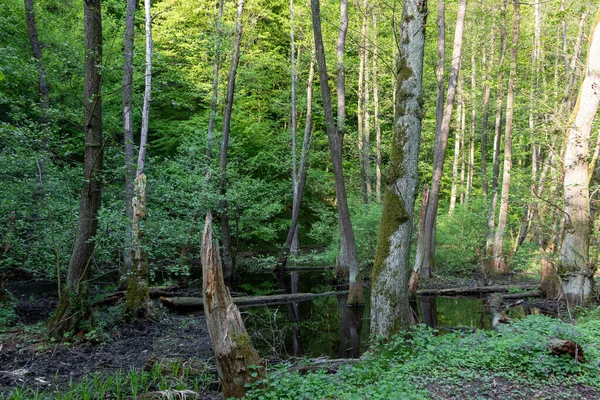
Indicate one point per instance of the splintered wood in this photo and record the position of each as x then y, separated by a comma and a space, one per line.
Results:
237, 361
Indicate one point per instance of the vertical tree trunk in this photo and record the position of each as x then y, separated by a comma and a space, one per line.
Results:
362, 105
128, 132
367, 127
237, 361
463, 131
303, 166
457, 142
390, 311
74, 308
343, 261
487, 67
489, 248
471, 166
147, 92
500, 266
215, 90
576, 272
440, 151
420, 250
225, 231
295, 243
355, 296
376, 115
36, 50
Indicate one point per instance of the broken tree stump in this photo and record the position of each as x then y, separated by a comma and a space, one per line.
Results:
236, 359
560, 346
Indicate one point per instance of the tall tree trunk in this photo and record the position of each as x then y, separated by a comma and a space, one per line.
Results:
215, 90
576, 272
457, 142
238, 363
138, 304
390, 311
420, 250
463, 131
471, 165
487, 67
367, 127
343, 261
355, 295
128, 133
376, 115
225, 231
440, 151
74, 307
36, 50
500, 266
362, 105
489, 248
308, 125
293, 115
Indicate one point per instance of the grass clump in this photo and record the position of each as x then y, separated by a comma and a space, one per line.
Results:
408, 366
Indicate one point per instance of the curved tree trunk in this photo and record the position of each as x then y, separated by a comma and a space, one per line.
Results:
440, 151
74, 307
225, 231
576, 272
355, 296
390, 311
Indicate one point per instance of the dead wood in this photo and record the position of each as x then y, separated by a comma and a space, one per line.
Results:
196, 303
237, 361
154, 293
474, 290
559, 347
522, 295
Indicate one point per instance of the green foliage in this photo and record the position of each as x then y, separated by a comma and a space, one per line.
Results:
519, 352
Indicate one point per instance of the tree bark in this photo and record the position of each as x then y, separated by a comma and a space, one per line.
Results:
308, 125
225, 230
440, 151
74, 308
293, 115
500, 266
420, 250
486, 107
376, 115
471, 165
390, 311
147, 92
355, 296
128, 131
575, 270
362, 105
36, 50
237, 361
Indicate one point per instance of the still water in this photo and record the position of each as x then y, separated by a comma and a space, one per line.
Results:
324, 326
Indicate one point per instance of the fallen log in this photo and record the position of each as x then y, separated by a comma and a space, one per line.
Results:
522, 295
196, 304
469, 290
559, 347
154, 293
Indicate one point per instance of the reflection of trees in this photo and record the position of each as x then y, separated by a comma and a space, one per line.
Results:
428, 311
350, 327
293, 308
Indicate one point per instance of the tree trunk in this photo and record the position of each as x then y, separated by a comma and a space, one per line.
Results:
471, 165
489, 248
500, 266
225, 231
343, 261
138, 305
420, 250
361, 110
303, 167
293, 115
486, 107
237, 361
74, 308
215, 91
355, 296
128, 132
576, 272
36, 50
390, 311
463, 130
147, 92
440, 150
457, 148
376, 115
367, 127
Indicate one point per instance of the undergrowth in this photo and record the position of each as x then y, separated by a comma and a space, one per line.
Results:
400, 369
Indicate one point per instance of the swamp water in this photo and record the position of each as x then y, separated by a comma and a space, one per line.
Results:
324, 326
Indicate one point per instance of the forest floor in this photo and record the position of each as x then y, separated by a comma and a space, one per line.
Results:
28, 360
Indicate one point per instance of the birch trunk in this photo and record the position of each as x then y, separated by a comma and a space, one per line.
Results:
74, 309
500, 266
147, 92
390, 311
576, 272
225, 230
440, 151
355, 296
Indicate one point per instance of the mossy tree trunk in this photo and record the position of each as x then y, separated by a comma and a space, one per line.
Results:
236, 360
576, 272
74, 309
390, 311
348, 245
137, 301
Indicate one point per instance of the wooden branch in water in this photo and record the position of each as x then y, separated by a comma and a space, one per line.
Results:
474, 290
195, 303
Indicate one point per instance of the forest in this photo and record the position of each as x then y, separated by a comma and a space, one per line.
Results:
299, 200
